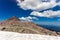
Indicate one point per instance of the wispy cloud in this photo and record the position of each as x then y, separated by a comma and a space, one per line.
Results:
28, 19
58, 3
48, 13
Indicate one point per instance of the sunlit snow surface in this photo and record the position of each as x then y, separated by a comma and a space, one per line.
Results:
17, 36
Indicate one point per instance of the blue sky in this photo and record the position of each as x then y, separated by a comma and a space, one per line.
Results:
9, 8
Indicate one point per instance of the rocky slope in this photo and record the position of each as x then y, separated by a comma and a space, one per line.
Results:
15, 25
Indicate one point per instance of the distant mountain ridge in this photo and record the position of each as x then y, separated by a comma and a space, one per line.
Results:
15, 25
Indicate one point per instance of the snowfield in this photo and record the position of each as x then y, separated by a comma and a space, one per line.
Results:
17, 36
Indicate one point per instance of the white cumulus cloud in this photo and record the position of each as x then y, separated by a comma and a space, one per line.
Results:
48, 13
36, 4
28, 19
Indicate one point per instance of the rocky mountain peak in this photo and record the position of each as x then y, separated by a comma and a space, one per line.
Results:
14, 18
13, 24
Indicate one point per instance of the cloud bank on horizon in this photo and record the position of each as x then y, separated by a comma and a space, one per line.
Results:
38, 5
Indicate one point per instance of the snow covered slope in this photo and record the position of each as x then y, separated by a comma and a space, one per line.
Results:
17, 36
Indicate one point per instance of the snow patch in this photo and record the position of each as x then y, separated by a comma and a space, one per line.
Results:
17, 36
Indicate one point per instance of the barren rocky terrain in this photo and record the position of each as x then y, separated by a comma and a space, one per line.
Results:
15, 25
